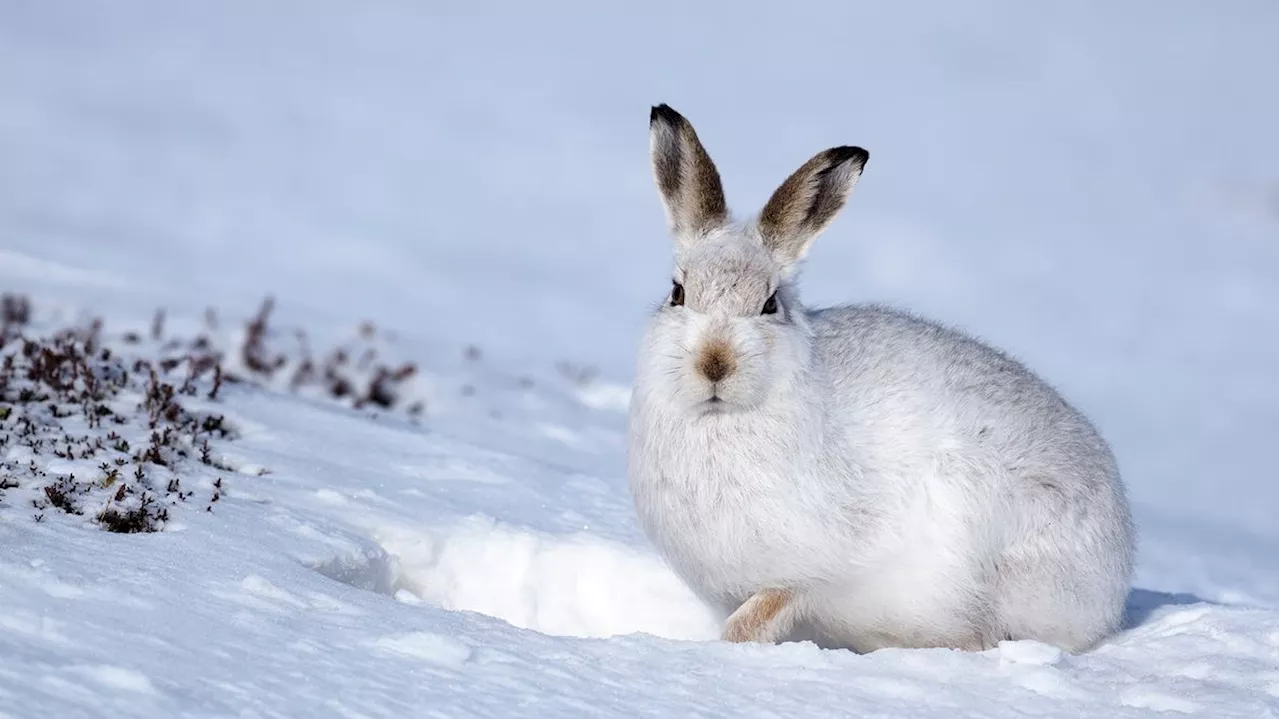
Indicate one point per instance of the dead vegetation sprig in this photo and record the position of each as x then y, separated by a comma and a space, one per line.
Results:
366, 381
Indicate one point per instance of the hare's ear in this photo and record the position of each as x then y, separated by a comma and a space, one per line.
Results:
687, 178
802, 207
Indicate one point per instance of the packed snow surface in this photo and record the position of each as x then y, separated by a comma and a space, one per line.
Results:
1090, 186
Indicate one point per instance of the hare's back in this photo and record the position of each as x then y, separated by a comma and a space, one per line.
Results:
891, 367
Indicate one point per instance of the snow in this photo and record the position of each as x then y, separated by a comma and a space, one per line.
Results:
1090, 186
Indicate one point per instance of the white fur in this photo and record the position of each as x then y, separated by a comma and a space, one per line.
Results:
908, 485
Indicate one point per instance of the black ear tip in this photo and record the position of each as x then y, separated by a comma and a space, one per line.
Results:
848, 153
664, 113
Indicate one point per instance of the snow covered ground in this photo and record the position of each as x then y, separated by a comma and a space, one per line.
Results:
1091, 186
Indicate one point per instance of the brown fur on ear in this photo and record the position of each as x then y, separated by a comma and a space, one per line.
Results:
687, 178
802, 207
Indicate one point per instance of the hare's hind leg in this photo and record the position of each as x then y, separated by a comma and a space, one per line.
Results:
765, 617
1064, 582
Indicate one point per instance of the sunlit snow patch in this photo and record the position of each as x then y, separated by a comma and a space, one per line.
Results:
574, 585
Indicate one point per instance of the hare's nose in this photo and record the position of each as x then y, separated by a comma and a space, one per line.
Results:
715, 361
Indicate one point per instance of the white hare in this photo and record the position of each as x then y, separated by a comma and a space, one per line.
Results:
855, 476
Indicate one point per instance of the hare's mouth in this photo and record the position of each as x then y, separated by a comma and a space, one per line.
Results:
713, 405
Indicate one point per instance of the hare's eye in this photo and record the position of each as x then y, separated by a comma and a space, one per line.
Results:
770, 305
677, 294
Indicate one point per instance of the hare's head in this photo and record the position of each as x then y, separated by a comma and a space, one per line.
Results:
732, 330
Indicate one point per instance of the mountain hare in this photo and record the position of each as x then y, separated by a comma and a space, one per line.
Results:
855, 476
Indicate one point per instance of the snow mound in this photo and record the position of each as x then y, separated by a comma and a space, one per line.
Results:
571, 585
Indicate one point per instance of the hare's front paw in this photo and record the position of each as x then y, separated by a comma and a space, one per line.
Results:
764, 618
